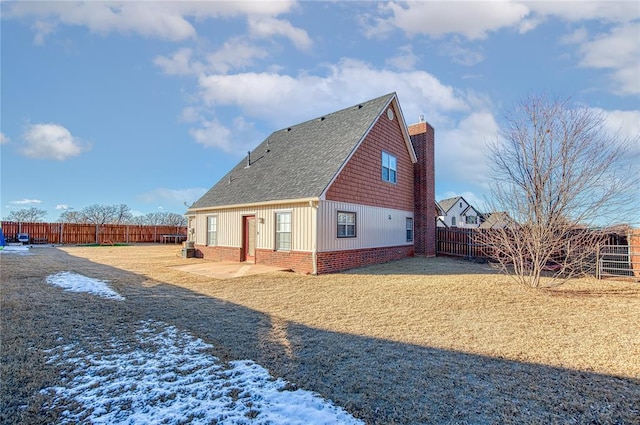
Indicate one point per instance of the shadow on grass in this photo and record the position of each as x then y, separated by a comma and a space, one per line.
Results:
379, 381
427, 266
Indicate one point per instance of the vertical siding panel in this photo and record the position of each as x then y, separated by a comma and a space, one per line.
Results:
373, 227
230, 225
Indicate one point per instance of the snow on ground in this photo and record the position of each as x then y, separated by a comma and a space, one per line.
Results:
171, 377
15, 249
75, 282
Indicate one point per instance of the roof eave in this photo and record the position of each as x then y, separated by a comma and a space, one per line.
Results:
253, 204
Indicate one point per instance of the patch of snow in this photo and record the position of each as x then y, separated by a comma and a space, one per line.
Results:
15, 249
171, 377
75, 282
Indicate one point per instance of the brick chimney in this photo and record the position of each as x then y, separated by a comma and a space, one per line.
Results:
422, 138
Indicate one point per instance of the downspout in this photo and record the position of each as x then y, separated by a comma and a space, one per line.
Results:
314, 240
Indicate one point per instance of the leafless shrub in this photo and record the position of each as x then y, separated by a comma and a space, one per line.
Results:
559, 175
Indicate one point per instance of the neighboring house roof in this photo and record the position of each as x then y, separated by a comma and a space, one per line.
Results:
470, 207
439, 210
300, 161
496, 219
447, 204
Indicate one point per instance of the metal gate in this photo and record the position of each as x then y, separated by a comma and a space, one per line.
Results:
619, 261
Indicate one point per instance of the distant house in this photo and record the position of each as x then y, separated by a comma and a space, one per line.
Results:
496, 220
457, 212
349, 188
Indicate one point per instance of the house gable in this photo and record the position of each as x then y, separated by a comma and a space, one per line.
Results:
297, 162
458, 213
360, 179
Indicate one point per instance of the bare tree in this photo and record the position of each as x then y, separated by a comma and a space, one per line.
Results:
71, 217
558, 174
154, 218
99, 214
173, 219
122, 214
27, 215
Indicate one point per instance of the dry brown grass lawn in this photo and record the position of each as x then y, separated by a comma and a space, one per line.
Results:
415, 341
439, 302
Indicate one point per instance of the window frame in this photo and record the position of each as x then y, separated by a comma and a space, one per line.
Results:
409, 229
214, 219
453, 221
392, 171
278, 244
346, 225
468, 218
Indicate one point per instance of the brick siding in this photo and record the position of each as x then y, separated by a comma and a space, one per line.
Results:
299, 262
423, 136
360, 181
336, 261
218, 253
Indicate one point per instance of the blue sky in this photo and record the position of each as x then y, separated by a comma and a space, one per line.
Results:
150, 103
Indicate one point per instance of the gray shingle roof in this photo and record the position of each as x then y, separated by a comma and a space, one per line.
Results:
298, 161
446, 204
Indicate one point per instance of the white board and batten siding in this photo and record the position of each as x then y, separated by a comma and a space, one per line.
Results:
230, 220
375, 227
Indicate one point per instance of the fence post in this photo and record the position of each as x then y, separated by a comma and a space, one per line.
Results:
598, 260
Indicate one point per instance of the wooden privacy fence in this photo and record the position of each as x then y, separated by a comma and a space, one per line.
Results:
71, 233
458, 242
618, 255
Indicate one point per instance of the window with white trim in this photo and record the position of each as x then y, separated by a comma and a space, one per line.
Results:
283, 231
346, 224
409, 229
212, 230
389, 168
471, 219
453, 221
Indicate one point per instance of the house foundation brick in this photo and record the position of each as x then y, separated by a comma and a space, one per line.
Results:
336, 261
218, 253
297, 261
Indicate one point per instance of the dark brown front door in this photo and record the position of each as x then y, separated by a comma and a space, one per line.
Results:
249, 239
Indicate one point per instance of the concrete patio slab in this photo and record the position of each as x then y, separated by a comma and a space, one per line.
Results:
227, 270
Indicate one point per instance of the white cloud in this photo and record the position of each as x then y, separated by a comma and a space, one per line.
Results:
42, 29
623, 124
164, 20
190, 114
213, 134
405, 60
239, 138
173, 197
51, 141
575, 11
261, 26
461, 149
63, 207
26, 201
284, 99
619, 51
4, 139
626, 123
234, 54
179, 63
460, 54
473, 20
